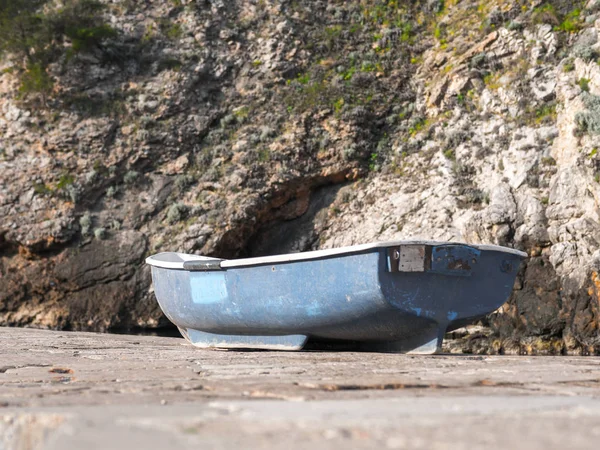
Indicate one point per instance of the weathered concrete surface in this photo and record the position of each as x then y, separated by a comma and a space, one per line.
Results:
83, 390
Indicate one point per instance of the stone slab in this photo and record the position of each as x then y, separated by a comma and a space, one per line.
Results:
86, 390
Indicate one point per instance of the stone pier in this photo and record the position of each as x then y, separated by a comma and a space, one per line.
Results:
81, 390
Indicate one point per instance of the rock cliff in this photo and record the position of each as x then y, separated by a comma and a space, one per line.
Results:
245, 128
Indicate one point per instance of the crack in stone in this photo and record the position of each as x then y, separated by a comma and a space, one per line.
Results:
4, 369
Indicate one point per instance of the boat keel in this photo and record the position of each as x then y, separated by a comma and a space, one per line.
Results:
203, 339
428, 342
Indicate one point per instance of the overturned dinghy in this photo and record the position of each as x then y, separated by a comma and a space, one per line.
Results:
393, 296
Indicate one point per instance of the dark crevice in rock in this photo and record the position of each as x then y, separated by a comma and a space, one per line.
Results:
297, 234
7, 248
287, 202
40, 252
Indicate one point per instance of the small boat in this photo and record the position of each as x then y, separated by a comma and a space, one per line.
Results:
393, 296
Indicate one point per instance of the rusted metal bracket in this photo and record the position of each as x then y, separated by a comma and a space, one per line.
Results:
409, 258
452, 259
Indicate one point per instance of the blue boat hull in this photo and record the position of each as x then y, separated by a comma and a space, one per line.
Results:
385, 301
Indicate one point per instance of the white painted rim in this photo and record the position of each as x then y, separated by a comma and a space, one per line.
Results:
173, 260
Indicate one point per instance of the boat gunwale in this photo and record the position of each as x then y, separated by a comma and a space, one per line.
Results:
155, 261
